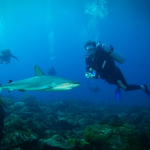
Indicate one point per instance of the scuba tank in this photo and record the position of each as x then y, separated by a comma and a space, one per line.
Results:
113, 53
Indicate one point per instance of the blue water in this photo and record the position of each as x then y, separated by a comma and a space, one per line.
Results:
53, 33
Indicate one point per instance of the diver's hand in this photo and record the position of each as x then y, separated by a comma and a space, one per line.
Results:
90, 75
18, 59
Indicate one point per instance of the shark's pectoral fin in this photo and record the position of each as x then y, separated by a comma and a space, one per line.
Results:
10, 90
21, 90
49, 87
38, 71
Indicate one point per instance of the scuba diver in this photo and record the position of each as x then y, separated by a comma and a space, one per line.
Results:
100, 64
52, 72
94, 88
5, 55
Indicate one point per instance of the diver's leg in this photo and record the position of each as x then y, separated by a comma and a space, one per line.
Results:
123, 84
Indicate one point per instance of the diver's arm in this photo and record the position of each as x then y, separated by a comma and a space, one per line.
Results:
14, 57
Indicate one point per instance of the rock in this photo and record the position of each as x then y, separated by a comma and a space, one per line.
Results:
65, 124
106, 137
19, 105
26, 98
2, 114
56, 142
18, 138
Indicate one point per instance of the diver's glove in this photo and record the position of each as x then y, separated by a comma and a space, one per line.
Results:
118, 93
90, 75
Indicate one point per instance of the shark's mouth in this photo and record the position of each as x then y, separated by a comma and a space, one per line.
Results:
59, 88
65, 86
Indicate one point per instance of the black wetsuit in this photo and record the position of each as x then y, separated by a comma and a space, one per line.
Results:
6, 56
105, 68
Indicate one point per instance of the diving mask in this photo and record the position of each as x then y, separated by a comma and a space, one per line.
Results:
90, 49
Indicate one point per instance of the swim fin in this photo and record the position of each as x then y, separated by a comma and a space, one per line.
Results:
118, 93
147, 91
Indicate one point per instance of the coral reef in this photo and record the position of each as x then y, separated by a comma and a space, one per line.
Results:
72, 124
104, 137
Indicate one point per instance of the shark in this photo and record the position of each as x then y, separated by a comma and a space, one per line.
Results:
40, 82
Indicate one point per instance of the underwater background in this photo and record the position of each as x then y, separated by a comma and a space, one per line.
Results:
53, 33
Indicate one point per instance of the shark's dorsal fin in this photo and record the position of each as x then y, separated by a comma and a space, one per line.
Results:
38, 71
